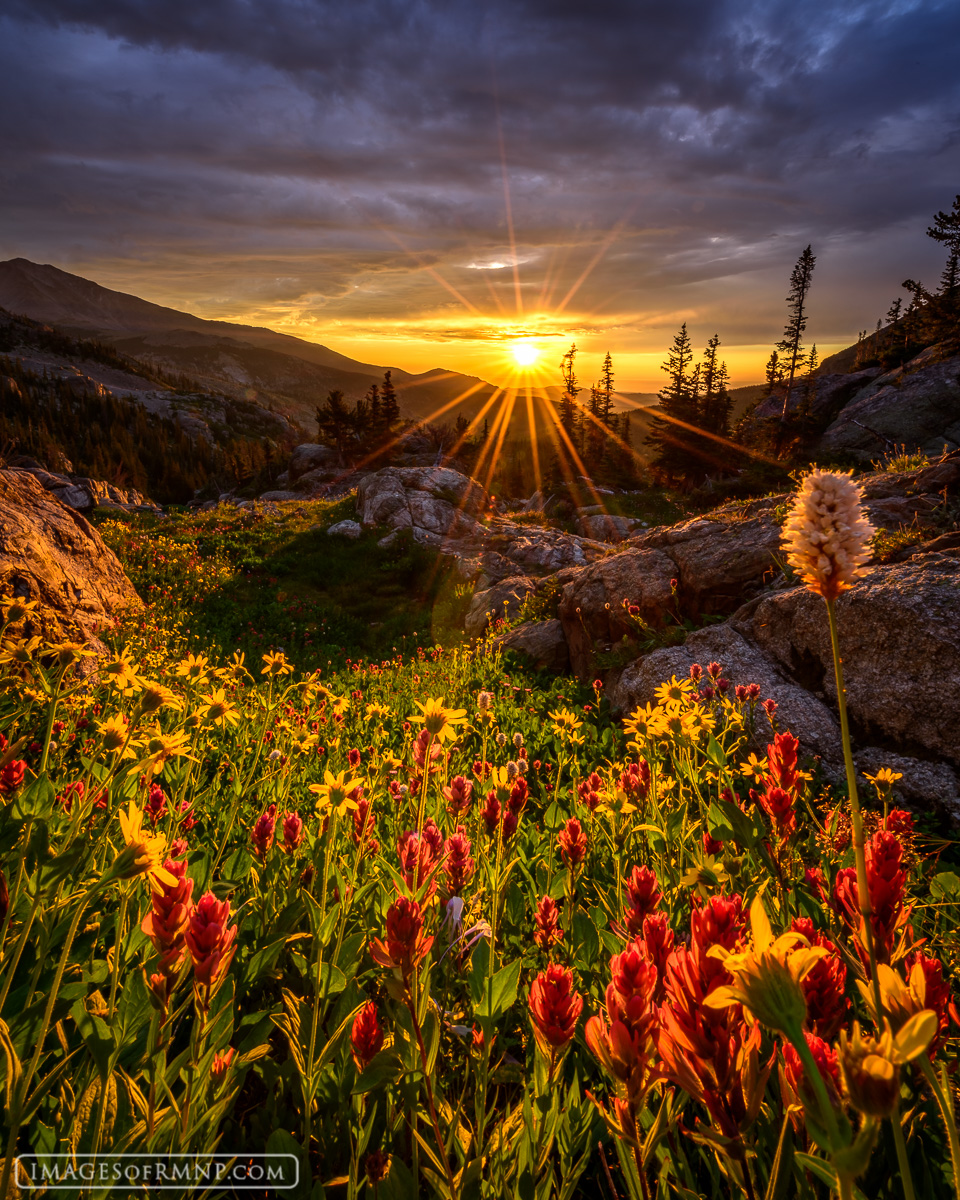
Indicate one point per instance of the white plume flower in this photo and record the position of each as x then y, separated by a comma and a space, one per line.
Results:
826, 535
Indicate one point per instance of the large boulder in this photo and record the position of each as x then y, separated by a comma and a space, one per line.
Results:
807, 717
310, 457
540, 641
822, 398
719, 561
436, 503
918, 407
50, 553
899, 629
501, 600
591, 608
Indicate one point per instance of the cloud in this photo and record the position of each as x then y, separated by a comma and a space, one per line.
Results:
344, 161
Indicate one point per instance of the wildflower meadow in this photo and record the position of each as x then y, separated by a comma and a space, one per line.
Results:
438, 925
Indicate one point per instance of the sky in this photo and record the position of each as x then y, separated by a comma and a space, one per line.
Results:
423, 183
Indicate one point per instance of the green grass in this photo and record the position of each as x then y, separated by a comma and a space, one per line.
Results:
280, 581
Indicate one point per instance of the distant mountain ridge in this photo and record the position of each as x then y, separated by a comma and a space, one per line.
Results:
252, 363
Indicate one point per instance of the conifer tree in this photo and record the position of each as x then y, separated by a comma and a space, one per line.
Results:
773, 371
335, 421
389, 405
792, 341
671, 435
606, 389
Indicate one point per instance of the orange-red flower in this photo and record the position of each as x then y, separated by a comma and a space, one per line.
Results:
210, 940
572, 841
458, 865
555, 1008
547, 921
406, 945
825, 985
642, 897
366, 1036
169, 915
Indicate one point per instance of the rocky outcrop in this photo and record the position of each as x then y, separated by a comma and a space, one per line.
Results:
442, 508
50, 553
592, 605
918, 407
84, 494
900, 642
743, 663
310, 457
718, 561
433, 503
820, 399
502, 600
542, 642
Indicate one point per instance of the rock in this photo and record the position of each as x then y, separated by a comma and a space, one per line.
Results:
591, 605
313, 481
807, 718
50, 553
918, 408
308, 457
924, 784
894, 511
347, 529
540, 641
823, 399
74, 497
438, 500
500, 600
602, 527
718, 561
900, 640
280, 496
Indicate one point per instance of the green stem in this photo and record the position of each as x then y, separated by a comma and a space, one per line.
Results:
904, 1162
118, 941
856, 818
51, 716
946, 1111
27, 1077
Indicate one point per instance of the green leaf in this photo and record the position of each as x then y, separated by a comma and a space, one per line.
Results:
385, 1068
945, 884
586, 940
497, 999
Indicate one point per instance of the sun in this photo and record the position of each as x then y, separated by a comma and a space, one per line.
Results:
525, 354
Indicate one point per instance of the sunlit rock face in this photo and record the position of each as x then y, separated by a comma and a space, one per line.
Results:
50, 553
900, 640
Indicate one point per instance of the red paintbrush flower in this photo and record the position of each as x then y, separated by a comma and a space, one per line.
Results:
458, 866
366, 1036
264, 831
555, 1008
572, 841
210, 942
459, 796
405, 946
825, 985
547, 921
641, 898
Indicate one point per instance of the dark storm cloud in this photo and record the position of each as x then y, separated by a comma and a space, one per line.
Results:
716, 137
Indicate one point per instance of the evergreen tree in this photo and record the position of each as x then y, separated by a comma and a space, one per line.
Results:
946, 228
671, 435
335, 422
893, 312
773, 371
375, 407
389, 405
606, 389
792, 341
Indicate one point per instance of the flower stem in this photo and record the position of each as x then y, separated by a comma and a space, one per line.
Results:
856, 818
903, 1161
946, 1111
